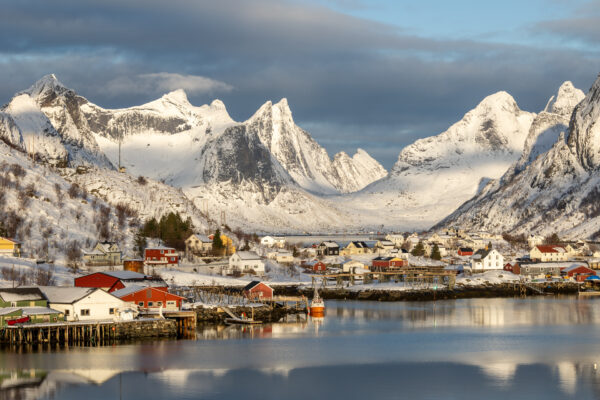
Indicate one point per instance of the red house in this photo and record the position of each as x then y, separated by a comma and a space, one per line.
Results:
115, 280
509, 267
465, 251
383, 263
161, 256
149, 297
258, 290
579, 272
317, 266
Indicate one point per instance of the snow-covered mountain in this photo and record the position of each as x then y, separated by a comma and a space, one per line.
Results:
433, 176
548, 191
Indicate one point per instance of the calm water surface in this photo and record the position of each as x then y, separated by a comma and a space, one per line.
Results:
467, 349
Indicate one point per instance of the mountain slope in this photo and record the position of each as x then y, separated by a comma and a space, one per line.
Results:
433, 176
556, 192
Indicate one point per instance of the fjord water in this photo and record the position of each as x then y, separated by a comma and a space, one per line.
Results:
542, 347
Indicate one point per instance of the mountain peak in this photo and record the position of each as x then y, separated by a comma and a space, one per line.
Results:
177, 96
47, 83
216, 103
500, 99
565, 100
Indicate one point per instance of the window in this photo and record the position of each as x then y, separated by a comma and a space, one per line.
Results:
84, 312
67, 312
150, 304
141, 304
159, 304
171, 303
111, 311
162, 252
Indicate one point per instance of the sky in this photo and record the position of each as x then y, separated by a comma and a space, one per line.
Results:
373, 74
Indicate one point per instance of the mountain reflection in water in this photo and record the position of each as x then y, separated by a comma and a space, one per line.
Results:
544, 347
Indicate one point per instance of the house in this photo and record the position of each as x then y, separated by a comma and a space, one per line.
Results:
546, 253
398, 240
133, 264
104, 253
114, 280
10, 247
22, 297
273, 241
257, 290
284, 257
534, 240
86, 304
386, 263
353, 267
509, 267
355, 247
149, 298
32, 315
465, 251
484, 260
578, 272
245, 262
161, 256
316, 266
538, 270
227, 243
198, 245
328, 248
384, 246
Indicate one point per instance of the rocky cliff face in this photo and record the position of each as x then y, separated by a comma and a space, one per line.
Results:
553, 191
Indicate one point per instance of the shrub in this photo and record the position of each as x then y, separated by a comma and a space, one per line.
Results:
141, 180
17, 171
75, 191
73, 254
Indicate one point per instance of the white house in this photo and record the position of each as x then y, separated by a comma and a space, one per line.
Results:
534, 240
284, 257
354, 267
545, 253
484, 260
397, 239
86, 304
198, 244
245, 262
273, 241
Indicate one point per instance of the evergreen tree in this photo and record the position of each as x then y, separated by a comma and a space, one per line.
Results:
3, 230
140, 243
552, 239
489, 246
217, 244
419, 250
295, 252
435, 253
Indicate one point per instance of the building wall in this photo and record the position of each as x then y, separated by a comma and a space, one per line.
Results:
98, 303
150, 297
97, 280
260, 291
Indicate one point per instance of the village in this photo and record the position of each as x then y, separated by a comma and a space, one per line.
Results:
220, 276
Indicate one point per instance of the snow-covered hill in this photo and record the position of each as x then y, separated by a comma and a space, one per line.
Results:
433, 176
551, 191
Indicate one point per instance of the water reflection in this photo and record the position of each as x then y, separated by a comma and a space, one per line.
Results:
480, 348
414, 381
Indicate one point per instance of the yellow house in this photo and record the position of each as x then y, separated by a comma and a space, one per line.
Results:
10, 247
356, 247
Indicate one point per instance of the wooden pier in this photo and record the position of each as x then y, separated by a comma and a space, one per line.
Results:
414, 276
87, 332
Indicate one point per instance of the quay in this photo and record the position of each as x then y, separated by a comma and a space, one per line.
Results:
88, 332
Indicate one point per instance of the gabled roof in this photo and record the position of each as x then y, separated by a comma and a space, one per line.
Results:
29, 310
551, 249
248, 255
202, 238
66, 295
136, 288
481, 254
21, 294
124, 274
329, 243
10, 240
254, 284
466, 249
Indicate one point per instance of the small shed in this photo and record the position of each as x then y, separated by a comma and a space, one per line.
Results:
257, 290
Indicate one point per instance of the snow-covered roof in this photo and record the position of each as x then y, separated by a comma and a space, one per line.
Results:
29, 310
124, 274
202, 238
566, 264
21, 294
160, 248
551, 249
128, 290
64, 294
329, 244
248, 255
93, 252
575, 266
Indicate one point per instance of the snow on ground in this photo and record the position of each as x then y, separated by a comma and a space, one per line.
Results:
488, 277
395, 287
9, 265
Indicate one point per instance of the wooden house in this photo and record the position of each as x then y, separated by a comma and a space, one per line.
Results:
316, 266
10, 247
354, 248
548, 253
26, 305
150, 298
104, 253
484, 260
578, 272
198, 245
386, 263
328, 248
465, 251
115, 280
257, 290
273, 241
161, 257
245, 262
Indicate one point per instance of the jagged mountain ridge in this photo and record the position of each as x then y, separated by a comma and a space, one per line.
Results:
434, 175
556, 191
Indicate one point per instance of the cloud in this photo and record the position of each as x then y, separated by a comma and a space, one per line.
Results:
163, 82
345, 77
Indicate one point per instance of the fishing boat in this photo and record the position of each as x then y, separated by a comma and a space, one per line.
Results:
317, 306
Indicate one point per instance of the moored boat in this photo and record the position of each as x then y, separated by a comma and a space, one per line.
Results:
317, 306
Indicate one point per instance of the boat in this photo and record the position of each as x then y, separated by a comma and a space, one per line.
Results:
317, 306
